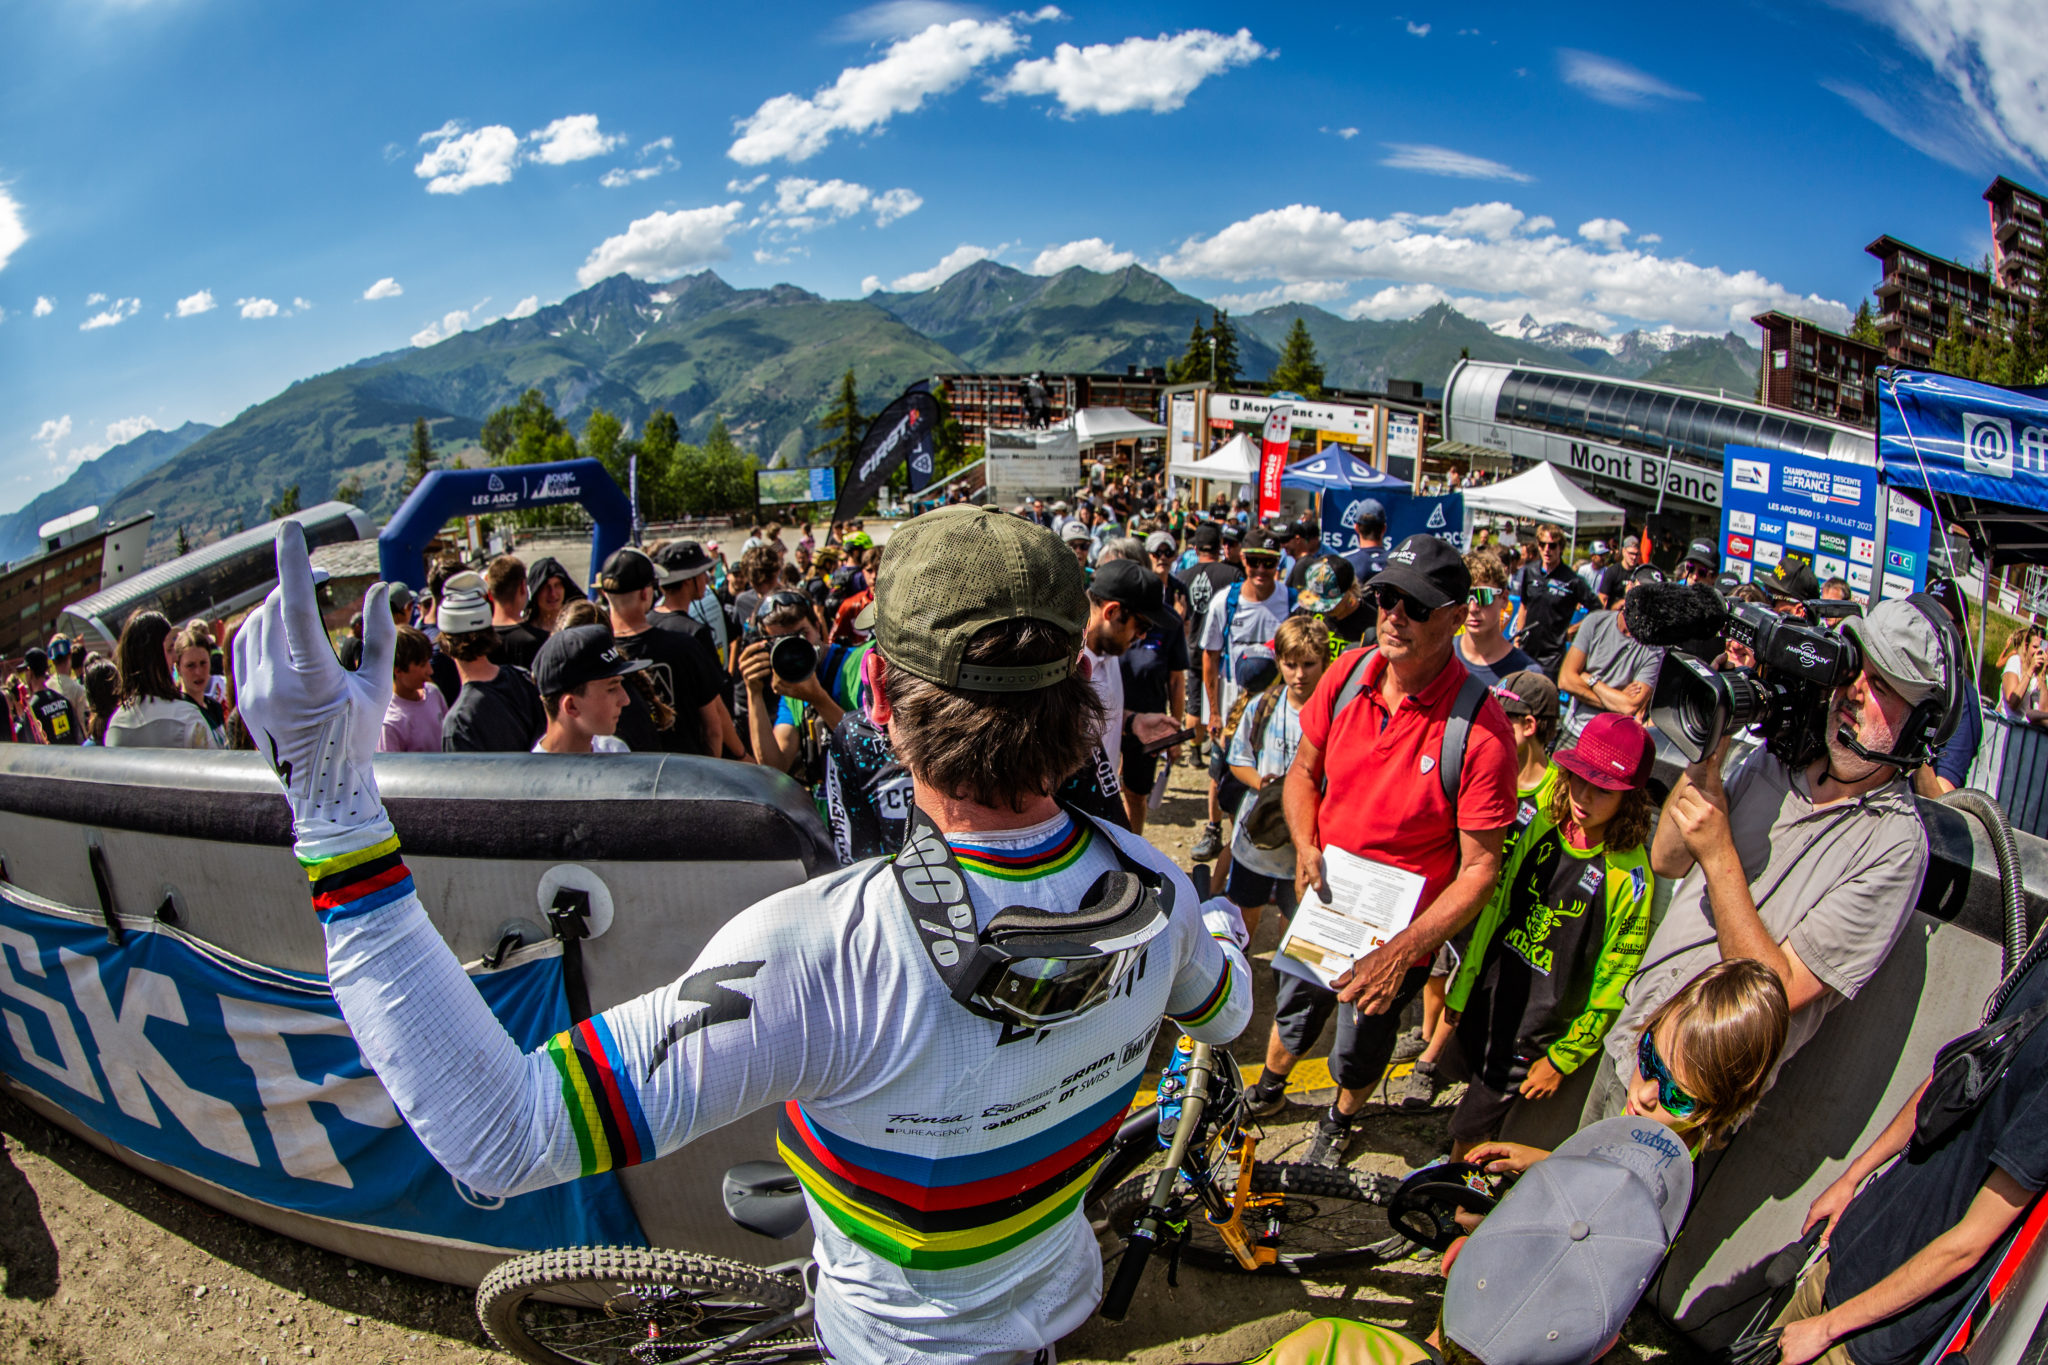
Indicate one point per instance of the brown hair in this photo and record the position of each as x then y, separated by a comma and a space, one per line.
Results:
996, 748
195, 635
504, 578
824, 561
758, 565
1630, 827
1486, 569
469, 645
582, 612
102, 695
1731, 1024
412, 649
1302, 637
140, 657
1549, 528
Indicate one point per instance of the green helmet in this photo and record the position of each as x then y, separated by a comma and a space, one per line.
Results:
860, 540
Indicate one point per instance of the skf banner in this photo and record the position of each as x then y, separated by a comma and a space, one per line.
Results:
1975, 440
1273, 459
905, 430
247, 1076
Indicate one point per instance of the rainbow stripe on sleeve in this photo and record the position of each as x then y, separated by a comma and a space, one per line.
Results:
1210, 1007
359, 882
598, 1095
1055, 853
937, 1213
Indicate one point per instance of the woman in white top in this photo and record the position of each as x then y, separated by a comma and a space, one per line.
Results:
2019, 682
153, 714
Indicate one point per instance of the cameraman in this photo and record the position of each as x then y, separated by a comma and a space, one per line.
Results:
1811, 872
778, 709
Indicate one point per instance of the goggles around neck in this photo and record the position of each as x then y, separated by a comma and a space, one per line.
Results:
1031, 968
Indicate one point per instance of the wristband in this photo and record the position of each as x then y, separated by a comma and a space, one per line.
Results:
350, 884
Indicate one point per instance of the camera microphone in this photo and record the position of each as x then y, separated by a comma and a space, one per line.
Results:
1674, 613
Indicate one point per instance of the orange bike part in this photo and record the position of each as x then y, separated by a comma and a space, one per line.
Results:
1232, 1229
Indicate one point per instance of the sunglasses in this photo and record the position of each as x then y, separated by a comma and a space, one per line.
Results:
1676, 1102
1483, 597
1388, 598
785, 598
1550, 545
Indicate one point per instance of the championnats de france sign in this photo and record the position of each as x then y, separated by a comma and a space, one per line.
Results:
246, 1076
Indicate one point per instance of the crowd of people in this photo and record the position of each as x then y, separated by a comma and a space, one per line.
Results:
992, 698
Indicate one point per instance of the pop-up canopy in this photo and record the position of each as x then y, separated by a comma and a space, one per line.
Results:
1334, 467
1235, 461
1093, 426
1983, 449
1543, 494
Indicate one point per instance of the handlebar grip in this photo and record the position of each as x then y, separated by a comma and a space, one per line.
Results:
1129, 1270
1786, 1265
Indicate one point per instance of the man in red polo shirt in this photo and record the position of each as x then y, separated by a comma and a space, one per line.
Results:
1366, 781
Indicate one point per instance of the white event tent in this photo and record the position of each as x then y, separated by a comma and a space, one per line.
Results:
1236, 461
1093, 426
1543, 494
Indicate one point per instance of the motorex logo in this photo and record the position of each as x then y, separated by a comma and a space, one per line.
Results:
1987, 445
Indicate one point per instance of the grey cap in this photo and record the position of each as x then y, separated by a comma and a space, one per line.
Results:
1898, 641
1072, 531
1159, 540
465, 605
1553, 1273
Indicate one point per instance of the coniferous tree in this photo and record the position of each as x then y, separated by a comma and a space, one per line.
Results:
1864, 327
727, 471
1193, 365
1299, 371
349, 489
527, 432
184, 545
1952, 351
287, 503
1223, 364
843, 426
419, 460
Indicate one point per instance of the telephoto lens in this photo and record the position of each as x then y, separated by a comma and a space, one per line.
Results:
793, 658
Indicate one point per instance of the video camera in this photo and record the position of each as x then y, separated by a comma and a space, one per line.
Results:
1788, 695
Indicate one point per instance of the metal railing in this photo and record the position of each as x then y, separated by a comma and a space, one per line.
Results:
2012, 764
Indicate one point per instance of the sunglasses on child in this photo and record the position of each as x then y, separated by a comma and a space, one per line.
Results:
1483, 597
1387, 599
1676, 1102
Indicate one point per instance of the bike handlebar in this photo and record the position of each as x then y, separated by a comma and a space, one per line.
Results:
1129, 1270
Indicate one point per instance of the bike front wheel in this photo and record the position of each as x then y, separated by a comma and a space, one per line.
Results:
1312, 1217
640, 1306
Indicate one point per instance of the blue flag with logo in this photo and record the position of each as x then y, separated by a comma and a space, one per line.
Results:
247, 1077
1964, 438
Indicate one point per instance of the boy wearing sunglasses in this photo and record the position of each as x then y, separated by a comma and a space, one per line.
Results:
1486, 652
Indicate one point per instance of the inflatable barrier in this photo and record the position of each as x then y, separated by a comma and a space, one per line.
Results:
162, 987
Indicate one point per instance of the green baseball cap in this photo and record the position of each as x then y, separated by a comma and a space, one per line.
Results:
953, 572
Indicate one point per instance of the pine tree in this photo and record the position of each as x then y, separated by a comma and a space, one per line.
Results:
1864, 328
1224, 365
528, 432
286, 504
844, 425
1952, 351
659, 496
419, 461
727, 471
349, 489
184, 545
1193, 365
1299, 371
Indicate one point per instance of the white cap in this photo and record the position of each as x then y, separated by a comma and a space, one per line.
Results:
465, 605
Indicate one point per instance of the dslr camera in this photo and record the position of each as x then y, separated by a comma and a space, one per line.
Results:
1788, 696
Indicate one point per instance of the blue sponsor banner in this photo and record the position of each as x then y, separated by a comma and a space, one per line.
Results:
247, 1076
1778, 507
1407, 515
1977, 440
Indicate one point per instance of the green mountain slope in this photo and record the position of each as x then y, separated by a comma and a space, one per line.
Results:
1002, 320
1726, 363
1365, 354
767, 360
97, 482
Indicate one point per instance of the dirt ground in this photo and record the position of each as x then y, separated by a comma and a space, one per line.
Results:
98, 1263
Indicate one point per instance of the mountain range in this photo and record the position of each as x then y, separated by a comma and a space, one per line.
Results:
768, 361
94, 483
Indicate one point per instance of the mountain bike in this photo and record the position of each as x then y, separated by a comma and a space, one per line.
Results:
1213, 1204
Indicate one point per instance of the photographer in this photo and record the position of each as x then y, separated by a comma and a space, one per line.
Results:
790, 684
1813, 870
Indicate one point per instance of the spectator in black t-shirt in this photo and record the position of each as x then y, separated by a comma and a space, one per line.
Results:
1370, 526
683, 573
1208, 582
498, 710
1550, 594
1326, 589
684, 674
55, 720
1911, 1249
518, 641
1160, 552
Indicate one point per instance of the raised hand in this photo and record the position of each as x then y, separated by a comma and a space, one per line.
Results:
316, 722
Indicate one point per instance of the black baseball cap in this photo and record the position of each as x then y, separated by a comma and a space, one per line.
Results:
627, 570
1429, 569
1233, 534
1260, 541
1792, 579
1208, 536
579, 655
1308, 528
37, 660
1703, 553
1645, 573
679, 561
1136, 589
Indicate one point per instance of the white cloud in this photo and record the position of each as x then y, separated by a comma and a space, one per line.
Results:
1649, 238
13, 232
1490, 258
1306, 291
120, 433
91, 299
1138, 73
660, 144
451, 323
452, 128
575, 138
1346, 133
869, 284
1418, 30
951, 264
52, 431
932, 62
1397, 301
893, 204
901, 19
618, 177
525, 308
1607, 232
1613, 82
662, 246
117, 312
1092, 252
302, 305
192, 305
747, 186
1410, 156
1993, 56
462, 161
45, 305
257, 308
386, 288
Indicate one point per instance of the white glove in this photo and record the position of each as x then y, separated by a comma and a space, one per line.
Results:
316, 722
1222, 918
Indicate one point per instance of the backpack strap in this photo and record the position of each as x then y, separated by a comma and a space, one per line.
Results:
1230, 612
1354, 683
1450, 762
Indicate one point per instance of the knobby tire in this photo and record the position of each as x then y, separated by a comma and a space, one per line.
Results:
1329, 1216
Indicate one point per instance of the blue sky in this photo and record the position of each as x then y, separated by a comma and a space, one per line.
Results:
204, 200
